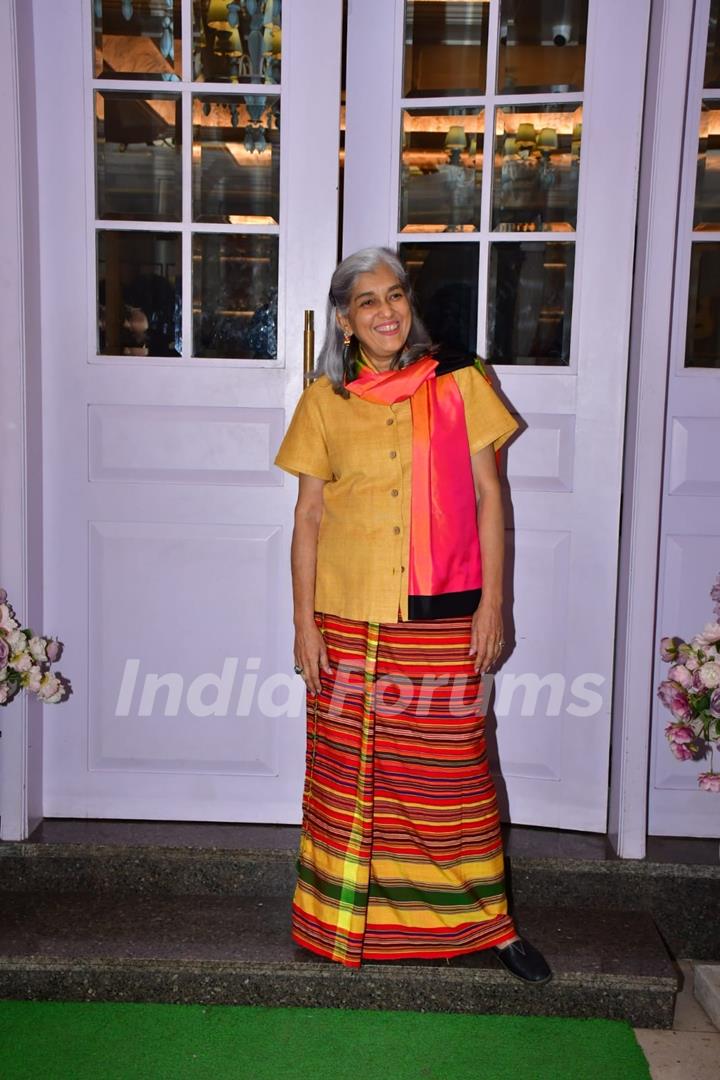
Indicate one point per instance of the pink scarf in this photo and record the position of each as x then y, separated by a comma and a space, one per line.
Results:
445, 573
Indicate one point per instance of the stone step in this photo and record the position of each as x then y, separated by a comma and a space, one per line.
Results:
681, 898
118, 946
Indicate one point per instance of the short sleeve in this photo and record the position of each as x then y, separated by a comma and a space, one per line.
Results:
487, 419
304, 447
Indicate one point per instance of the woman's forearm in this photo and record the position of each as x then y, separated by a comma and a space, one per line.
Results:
491, 527
303, 562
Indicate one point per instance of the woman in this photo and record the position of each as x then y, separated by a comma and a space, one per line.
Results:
397, 616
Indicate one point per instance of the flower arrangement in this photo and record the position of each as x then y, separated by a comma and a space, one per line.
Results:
691, 691
25, 660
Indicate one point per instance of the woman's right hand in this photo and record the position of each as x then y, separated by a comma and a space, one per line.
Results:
311, 655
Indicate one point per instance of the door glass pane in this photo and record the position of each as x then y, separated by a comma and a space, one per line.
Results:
537, 167
702, 347
239, 41
707, 183
139, 293
444, 277
712, 57
137, 156
542, 46
236, 159
441, 173
235, 281
445, 47
137, 39
530, 292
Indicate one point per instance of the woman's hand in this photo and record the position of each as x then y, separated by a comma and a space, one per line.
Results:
486, 639
311, 655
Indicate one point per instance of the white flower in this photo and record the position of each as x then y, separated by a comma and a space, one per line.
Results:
7, 621
709, 675
36, 646
21, 661
709, 636
50, 690
4, 692
33, 679
17, 641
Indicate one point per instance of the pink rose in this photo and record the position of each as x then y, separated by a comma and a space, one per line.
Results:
668, 648
679, 733
715, 704
680, 707
709, 781
54, 650
4, 651
666, 691
680, 674
709, 675
7, 622
710, 634
682, 753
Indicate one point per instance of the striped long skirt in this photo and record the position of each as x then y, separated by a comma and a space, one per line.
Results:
400, 851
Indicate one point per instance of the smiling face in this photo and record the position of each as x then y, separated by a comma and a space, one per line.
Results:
379, 315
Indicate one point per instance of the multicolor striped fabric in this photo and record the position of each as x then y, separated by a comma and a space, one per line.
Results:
400, 852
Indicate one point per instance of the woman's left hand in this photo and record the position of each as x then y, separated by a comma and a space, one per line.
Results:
486, 641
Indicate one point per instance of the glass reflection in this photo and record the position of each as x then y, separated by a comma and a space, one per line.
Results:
137, 156
702, 346
444, 277
235, 284
139, 293
239, 41
707, 182
137, 39
441, 173
542, 46
712, 56
530, 291
537, 166
236, 159
445, 47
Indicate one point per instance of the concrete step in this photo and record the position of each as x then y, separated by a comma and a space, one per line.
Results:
112, 945
681, 898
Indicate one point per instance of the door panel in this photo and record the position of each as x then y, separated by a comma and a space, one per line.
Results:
172, 328
505, 169
690, 520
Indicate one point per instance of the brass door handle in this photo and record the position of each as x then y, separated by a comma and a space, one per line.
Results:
309, 343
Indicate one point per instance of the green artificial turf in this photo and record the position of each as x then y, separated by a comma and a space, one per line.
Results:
107, 1041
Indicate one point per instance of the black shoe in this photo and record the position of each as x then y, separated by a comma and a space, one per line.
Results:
524, 961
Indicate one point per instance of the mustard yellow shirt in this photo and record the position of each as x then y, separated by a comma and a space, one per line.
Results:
364, 452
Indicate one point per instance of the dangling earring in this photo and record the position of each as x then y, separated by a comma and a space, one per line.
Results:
347, 338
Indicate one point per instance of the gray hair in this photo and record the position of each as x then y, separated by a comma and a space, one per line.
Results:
339, 364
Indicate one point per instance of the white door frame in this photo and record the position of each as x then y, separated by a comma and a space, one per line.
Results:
20, 432
670, 42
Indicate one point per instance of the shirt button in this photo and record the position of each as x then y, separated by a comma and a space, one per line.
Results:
393, 453
396, 530
390, 420
394, 492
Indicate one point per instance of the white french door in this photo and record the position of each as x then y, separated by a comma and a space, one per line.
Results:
497, 142
690, 523
188, 215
